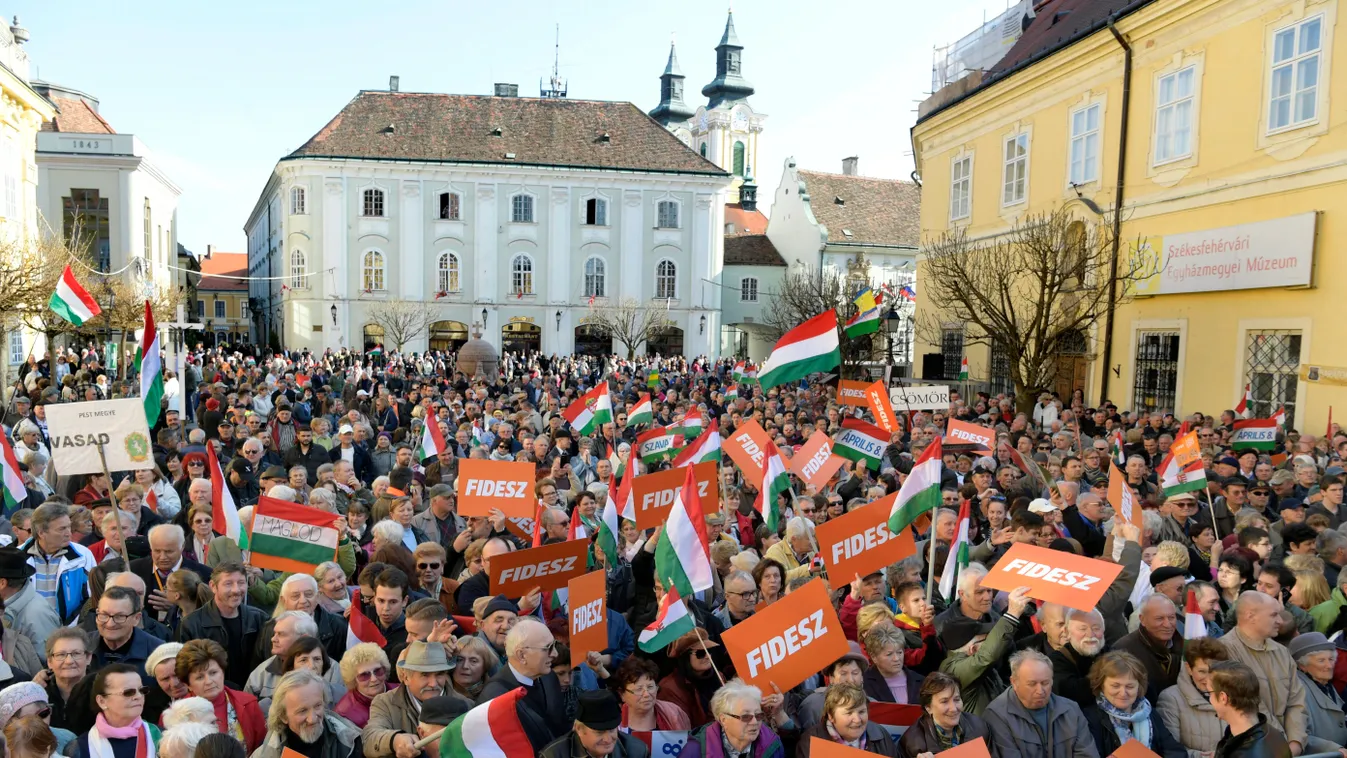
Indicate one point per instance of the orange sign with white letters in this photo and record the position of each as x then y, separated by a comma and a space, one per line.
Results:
851, 392
654, 494
507, 485
548, 568
859, 543
1056, 577
877, 397
789, 641
814, 462
747, 447
963, 433
588, 611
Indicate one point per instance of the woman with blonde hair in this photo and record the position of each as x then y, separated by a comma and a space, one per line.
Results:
869, 617
475, 663
29, 737
365, 672
1310, 589
1122, 713
846, 721
185, 589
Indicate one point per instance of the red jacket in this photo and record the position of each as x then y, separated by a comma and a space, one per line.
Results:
249, 715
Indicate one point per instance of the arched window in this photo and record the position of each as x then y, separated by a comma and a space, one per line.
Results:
702, 149
448, 273
666, 215
748, 289
596, 277
374, 271
521, 209
666, 280
521, 274
738, 159
373, 203
299, 268
449, 206
297, 201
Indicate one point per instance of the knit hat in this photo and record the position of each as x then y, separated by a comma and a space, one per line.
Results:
165, 652
14, 697
499, 603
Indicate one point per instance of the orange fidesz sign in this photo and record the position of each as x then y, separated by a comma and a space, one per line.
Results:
505, 485
859, 543
588, 611
789, 641
1056, 577
548, 568
654, 494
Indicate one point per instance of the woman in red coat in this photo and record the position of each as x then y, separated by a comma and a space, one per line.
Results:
201, 664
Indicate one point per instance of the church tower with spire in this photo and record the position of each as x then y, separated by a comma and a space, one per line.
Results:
726, 129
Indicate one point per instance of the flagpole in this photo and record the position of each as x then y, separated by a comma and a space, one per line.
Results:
1212, 508
702, 642
930, 571
112, 496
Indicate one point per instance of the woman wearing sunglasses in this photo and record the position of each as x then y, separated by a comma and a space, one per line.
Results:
740, 726
119, 697
693, 682
364, 670
29, 699
193, 467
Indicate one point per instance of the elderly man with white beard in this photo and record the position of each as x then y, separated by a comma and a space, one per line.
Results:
1071, 662
299, 720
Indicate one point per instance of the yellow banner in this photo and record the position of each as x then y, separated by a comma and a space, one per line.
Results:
1334, 375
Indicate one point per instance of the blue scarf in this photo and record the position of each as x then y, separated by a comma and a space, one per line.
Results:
1129, 724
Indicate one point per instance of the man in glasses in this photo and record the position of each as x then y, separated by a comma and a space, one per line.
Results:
529, 650
120, 638
741, 598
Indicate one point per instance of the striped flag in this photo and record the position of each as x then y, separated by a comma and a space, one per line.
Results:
738, 373
1255, 433
809, 348
151, 370
491, 730
1194, 625
14, 489
671, 622
958, 556
591, 411
691, 425
361, 628
641, 413
292, 537
225, 515
619, 506
615, 462
1245, 407
682, 558
920, 492
706, 448
657, 444
861, 441
732, 393
1176, 477
963, 369
1280, 417
1118, 453
652, 381
71, 301
775, 480
432, 441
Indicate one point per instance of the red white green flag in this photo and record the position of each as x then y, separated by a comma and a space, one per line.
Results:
71, 301
809, 348
432, 441
491, 730
682, 558
920, 492
1255, 433
594, 409
14, 490
775, 480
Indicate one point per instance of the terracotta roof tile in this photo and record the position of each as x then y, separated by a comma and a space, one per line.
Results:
751, 250
875, 211
1057, 24
229, 264
536, 131
749, 222
75, 115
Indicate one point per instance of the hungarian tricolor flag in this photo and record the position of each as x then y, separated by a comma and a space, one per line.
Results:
617, 507
671, 622
861, 441
775, 480
1117, 452
963, 369
72, 302
292, 537
592, 410
657, 444
682, 558
732, 393
491, 730
641, 413
1280, 417
432, 441
706, 448
1255, 433
809, 348
1194, 625
958, 556
691, 425
151, 370
14, 490
1245, 407
920, 492
738, 374
223, 511
615, 462
1176, 477
361, 628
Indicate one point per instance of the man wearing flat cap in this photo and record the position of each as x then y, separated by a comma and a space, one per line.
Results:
436, 714
25, 611
393, 716
596, 734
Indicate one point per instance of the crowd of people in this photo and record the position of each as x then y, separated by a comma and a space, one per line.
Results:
134, 628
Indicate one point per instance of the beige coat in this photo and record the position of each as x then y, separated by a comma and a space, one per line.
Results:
1281, 694
781, 553
1189, 716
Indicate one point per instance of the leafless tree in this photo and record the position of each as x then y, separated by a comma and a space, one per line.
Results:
804, 294
403, 320
1035, 293
630, 322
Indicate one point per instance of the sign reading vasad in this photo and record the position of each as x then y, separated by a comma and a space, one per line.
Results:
77, 429
1278, 252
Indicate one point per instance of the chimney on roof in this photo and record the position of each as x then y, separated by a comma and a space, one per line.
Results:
392, 84
849, 165
507, 90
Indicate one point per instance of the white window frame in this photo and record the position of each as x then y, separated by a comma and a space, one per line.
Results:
298, 204
1089, 168
16, 352
523, 201
243, 310
523, 278
1292, 64
748, 289
448, 273
661, 218
661, 278
1009, 166
299, 269
1172, 106
220, 309
455, 210
600, 211
961, 208
599, 277
373, 198
373, 271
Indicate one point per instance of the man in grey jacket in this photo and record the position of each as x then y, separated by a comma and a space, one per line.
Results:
1281, 693
1028, 721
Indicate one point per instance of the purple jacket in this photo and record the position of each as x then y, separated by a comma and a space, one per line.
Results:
706, 743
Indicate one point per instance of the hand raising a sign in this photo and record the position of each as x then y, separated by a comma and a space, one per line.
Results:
1019, 600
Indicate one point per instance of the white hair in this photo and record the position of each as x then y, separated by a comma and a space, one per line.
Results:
126, 518
388, 532
171, 531
305, 626
283, 492
180, 741
1093, 615
520, 631
799, 526
734, 691
189, 710
973, 572
323, 499
1018, 658
293, 680
1152, 521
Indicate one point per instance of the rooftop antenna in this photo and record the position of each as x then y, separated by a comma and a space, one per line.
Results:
556, 86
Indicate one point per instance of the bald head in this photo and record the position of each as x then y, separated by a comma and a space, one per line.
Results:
128, 580
1258, 616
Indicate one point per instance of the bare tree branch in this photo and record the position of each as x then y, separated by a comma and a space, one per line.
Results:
629, 322
805, 293
1034, 293
403, 320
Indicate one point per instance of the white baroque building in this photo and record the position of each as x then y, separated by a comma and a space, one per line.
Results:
513, 215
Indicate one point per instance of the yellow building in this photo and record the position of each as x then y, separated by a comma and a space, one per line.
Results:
1235, 158
222, 300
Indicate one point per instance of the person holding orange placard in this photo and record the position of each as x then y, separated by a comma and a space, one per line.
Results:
945, 725
976, 649
846, 721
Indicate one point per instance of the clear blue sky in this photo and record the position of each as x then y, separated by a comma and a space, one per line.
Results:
220, 91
